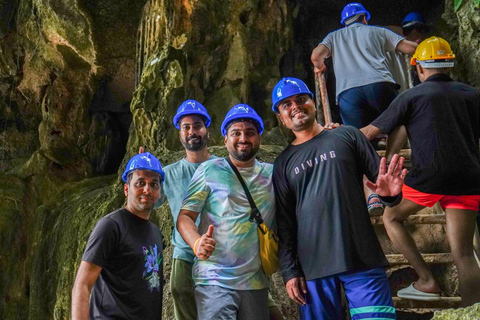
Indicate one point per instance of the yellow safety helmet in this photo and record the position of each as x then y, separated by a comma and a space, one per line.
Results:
433, 52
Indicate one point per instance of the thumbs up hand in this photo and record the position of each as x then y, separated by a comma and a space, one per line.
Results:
205, 245
209, 231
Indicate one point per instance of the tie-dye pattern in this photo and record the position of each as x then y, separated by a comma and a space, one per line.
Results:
217, 194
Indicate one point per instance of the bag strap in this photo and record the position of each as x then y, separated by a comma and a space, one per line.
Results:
254, 214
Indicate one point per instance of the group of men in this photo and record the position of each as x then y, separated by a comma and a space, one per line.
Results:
313, 196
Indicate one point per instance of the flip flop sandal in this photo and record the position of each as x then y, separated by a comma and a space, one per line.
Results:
411, 293
375, 207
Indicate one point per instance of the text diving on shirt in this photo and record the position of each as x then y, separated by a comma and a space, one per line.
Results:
315, 161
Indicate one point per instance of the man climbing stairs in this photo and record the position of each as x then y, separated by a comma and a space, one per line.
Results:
428, 229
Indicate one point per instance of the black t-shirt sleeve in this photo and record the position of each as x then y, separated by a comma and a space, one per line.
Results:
366, 155
102, 242
285, 202
394, 116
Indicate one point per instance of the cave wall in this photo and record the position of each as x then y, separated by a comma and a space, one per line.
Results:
461, 28
85, 83
66, 77
219, 53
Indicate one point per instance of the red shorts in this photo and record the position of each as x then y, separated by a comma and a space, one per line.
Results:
452, 202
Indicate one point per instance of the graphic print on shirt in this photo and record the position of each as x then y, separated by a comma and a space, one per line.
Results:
152, 264
310, 163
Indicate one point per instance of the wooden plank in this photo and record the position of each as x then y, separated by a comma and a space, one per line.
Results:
443, 303
431, 258
406, 153
415, 219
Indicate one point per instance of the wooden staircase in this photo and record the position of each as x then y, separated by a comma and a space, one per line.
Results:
434, 250
428, 229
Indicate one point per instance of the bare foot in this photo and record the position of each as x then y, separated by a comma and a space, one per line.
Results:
427, 286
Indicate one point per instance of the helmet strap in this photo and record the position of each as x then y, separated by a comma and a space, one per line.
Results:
436, 64
255, 123
355, 18
204, 119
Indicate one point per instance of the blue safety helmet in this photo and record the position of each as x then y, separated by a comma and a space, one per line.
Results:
413, 19
143, 161
352, 9
191, 107
244, 112
288, 87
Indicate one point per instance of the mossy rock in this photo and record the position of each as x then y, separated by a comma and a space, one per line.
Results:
62, 228
14, 302
469, 313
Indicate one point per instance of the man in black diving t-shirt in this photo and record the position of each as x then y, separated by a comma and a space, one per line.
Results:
326, 238
442, 118
123, 260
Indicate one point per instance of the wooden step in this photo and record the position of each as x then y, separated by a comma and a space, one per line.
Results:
443, 303
415, 219
430, 258
406, 153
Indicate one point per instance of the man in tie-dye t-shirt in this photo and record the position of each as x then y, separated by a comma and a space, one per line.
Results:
229, 280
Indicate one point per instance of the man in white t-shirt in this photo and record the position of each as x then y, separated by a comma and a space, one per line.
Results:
364, 84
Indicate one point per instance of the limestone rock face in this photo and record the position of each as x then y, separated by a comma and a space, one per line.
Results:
66, 81
461, 30
220, 53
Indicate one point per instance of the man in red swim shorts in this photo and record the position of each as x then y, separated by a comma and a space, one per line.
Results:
442, 118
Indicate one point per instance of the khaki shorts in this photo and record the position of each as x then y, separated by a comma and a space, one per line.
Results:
181, 286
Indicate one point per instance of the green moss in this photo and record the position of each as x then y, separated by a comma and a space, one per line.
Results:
469, 313
12, 288
62, 228
220, 101
8, 67
156, 99
72, 59
65, 23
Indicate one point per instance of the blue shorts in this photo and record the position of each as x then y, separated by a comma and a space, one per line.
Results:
367, 292
359, 106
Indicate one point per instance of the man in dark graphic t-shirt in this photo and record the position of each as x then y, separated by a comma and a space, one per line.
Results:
123, 260
326, 239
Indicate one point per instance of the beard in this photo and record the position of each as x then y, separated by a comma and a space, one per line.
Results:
198, 142
244, 155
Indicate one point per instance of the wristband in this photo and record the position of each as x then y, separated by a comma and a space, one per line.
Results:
195, 246
322, 68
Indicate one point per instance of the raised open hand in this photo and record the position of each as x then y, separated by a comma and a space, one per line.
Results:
389, 182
